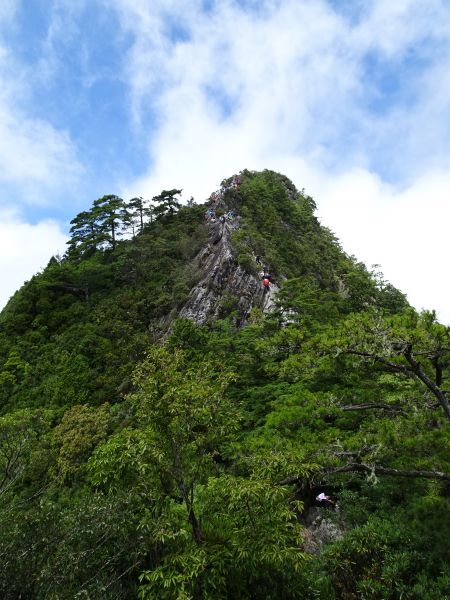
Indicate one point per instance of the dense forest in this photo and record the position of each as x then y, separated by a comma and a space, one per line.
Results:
144, 455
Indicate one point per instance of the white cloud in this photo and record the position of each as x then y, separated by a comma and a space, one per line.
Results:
24, 250
405, 231
36, 159
296, 82
299, 96
33, 153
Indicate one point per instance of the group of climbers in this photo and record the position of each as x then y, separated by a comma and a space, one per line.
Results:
216, 197
210, 215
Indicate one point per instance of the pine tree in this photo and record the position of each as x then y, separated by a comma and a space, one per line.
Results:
111, 215
167, 203
139, 209
85, 236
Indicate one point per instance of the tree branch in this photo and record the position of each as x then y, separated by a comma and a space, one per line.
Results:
379, 470
388, 363
414, 369
419, 372
373, 406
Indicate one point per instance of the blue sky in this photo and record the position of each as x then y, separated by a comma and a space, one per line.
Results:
349, 98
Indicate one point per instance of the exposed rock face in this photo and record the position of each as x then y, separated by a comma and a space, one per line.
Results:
320, 531
223, 280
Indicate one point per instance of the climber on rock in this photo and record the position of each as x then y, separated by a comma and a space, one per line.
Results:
325, 500
266, 284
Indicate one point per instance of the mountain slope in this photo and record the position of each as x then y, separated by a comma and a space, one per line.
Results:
100, 312
167, 422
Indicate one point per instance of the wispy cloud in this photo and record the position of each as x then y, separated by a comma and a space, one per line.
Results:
8, 10
36, 158
295, 77
403, 230
334, 99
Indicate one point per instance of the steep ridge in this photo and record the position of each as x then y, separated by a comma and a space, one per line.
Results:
223, 276
101, 306
144, 456
76, 330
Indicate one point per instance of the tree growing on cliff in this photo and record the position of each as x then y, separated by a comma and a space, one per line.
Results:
85, 236
112, 218
139, 210
167, 203
102, 225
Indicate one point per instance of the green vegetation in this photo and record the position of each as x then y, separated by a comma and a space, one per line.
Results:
143, 456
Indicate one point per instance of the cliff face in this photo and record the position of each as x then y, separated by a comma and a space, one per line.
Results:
223, 280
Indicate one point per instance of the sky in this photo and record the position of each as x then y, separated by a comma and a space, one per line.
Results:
348, 98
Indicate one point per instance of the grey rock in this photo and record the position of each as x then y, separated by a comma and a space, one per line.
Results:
320, 531
221, 277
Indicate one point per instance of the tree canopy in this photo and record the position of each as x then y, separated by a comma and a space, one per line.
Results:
143, 456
